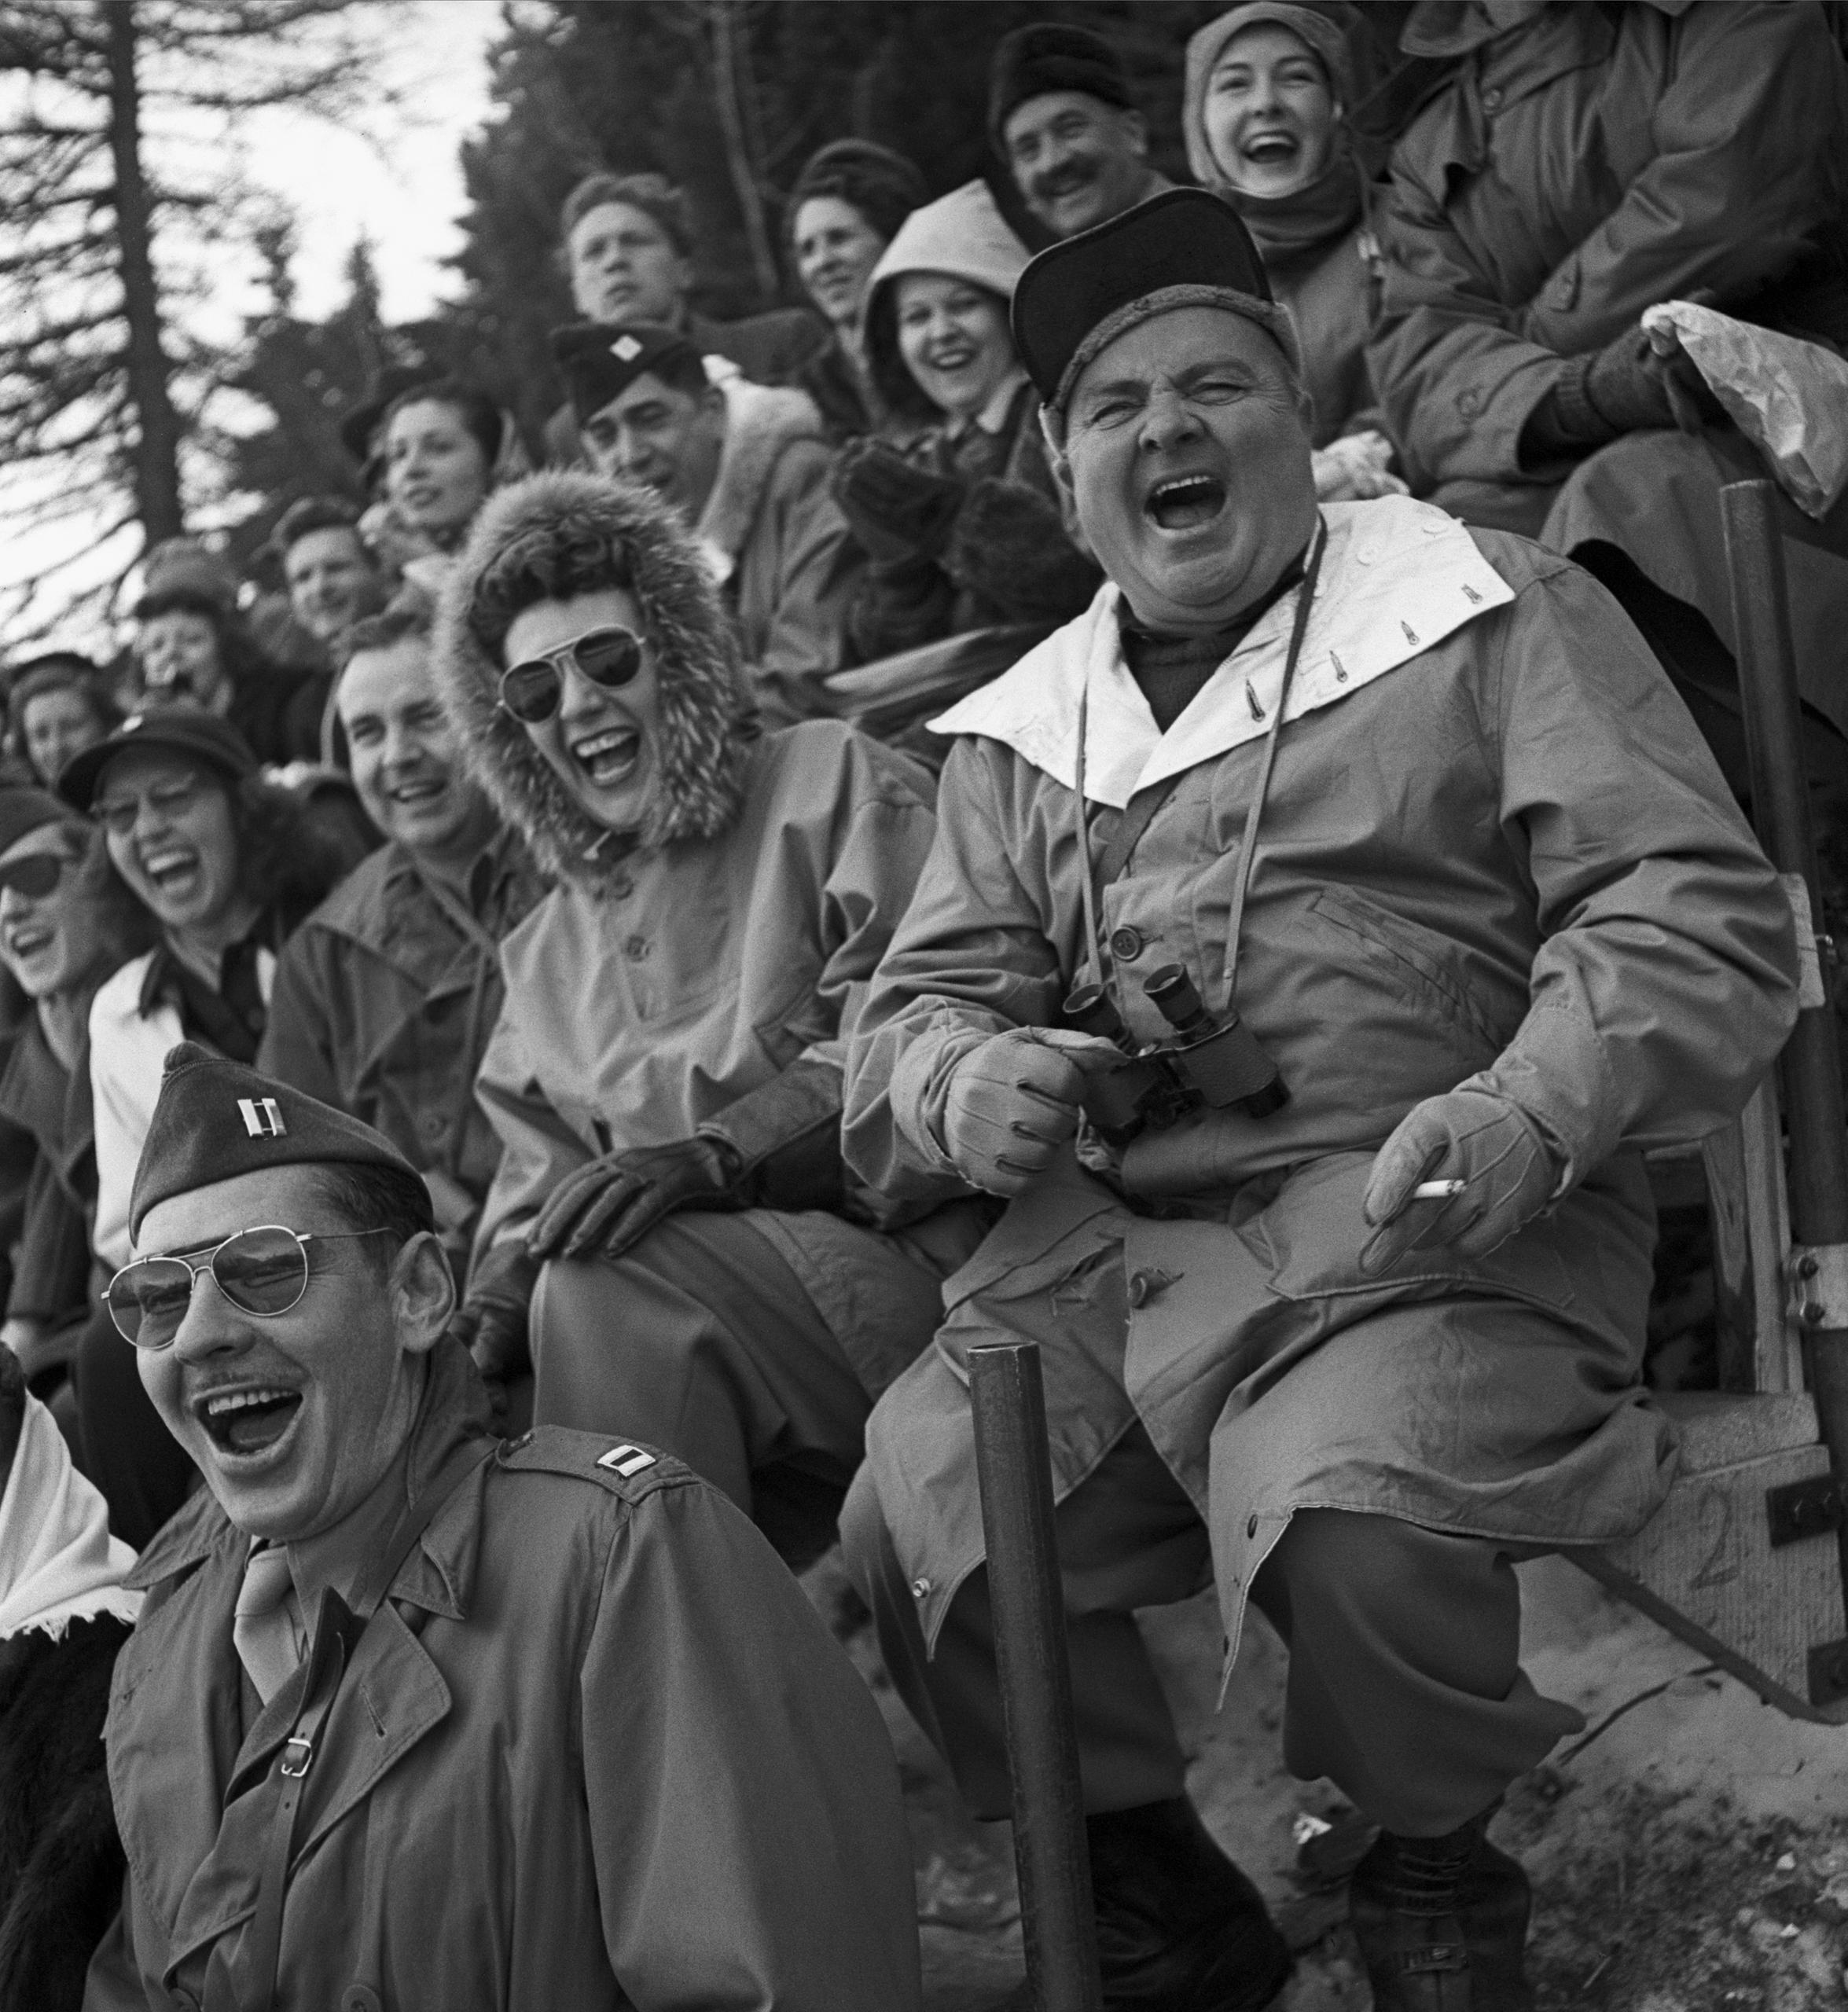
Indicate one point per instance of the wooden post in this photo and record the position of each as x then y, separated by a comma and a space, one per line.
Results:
1811, 1065
1050, 1853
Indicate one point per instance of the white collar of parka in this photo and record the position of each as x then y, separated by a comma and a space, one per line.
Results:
1396, 578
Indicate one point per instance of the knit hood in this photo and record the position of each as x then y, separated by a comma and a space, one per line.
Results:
963, 234
579, 533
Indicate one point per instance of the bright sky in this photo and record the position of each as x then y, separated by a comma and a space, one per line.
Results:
396, 179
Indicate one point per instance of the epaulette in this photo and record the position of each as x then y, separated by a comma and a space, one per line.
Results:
625, 1469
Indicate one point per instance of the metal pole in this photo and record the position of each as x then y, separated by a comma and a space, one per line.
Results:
1050, 1854
1811, 1068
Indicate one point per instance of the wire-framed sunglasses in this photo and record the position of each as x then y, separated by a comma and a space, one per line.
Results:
263, 1272
608, 658
36, 875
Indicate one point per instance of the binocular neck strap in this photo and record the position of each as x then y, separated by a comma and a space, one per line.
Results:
1248, 848
1139, 812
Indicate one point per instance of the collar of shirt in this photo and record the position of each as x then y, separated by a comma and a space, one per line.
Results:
229, 1016
1397, 577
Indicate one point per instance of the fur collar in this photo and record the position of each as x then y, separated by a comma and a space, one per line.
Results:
760, 421
707, 721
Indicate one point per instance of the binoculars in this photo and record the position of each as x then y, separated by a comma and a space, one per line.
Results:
1213, 1063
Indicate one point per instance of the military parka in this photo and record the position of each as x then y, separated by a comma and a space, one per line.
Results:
1493, 851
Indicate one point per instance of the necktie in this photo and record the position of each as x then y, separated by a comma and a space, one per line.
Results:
263, 1627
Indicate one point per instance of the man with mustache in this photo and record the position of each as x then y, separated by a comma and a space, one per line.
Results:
419, 1718
1060, 115
1386, 848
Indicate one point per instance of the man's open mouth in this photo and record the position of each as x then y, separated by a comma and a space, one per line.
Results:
416, 795
1069, 181
247, 1421
610, 757
1186, 502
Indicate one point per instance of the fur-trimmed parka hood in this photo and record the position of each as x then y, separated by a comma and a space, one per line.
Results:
576, 534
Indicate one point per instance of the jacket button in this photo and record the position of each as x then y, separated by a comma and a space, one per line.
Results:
920, 1589
622, 888
1251, 1527
433, 1125
361, 1998
1126, 944
636, 948
1469, 403
1492, 98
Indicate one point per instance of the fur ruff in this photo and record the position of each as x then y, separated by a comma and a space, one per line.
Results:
707, 722
760, 421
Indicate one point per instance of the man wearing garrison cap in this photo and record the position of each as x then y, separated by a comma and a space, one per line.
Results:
1061, 115
416, 1718
747, 466
1384, 848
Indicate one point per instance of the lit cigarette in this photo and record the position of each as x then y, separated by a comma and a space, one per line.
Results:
1438, 1190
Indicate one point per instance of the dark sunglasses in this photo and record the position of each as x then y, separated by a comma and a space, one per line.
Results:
263, 1272
36, 875
608, 658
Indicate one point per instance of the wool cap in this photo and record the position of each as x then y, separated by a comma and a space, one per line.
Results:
1183, 248
182, 570
215, 1119
1051, 55
362, 423
599, 360
23, 811
182, 729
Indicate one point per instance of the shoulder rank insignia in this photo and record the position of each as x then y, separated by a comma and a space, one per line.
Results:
626, 1461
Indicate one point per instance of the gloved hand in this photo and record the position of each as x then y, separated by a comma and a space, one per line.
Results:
1509, 1170
492, 1323
896, 509
1012, 1102
1639, 380
1009, 545
610, 1205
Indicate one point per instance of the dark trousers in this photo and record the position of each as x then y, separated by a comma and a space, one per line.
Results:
1404, 1685
143, 1471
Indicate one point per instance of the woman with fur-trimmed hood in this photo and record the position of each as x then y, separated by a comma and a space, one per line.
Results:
671, 1228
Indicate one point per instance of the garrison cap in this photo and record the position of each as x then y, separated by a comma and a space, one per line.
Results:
179, 729
599, 360
1184, 249
1051, 55
215, 1119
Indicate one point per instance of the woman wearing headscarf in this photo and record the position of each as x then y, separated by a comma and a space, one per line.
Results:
1264, 113
665, 1074
955, 502
848, 205
193, 648
66, 923
225, 863
55, 708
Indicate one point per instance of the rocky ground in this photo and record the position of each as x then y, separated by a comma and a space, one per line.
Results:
1689, 1852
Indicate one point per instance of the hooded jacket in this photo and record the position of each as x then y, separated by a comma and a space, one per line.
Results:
666, 978
787, 565
1010, 559
1315, 244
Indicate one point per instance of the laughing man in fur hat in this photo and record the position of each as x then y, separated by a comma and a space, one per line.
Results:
1364, 1319
670, 1227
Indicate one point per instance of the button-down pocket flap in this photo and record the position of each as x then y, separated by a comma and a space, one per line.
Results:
1045, 1233
1418, 963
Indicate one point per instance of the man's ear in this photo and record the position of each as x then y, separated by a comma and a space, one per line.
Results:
1053, 432
423, 1290
1135, 130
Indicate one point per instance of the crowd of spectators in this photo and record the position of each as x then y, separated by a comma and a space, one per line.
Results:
376, 837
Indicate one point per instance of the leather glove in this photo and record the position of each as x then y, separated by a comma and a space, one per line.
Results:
609, 1206
492, 1323
1012, 1102
1509, 1170
896, 509
1008, 545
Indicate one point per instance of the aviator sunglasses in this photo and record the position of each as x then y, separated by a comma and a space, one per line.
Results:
36, 875
263, 1272
608, 658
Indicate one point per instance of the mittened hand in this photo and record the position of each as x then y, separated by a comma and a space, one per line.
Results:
1508, 1170
896, 509
1013, 1102
610, 1205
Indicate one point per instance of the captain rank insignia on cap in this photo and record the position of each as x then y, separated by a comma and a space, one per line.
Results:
262, 1117
626, 1460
